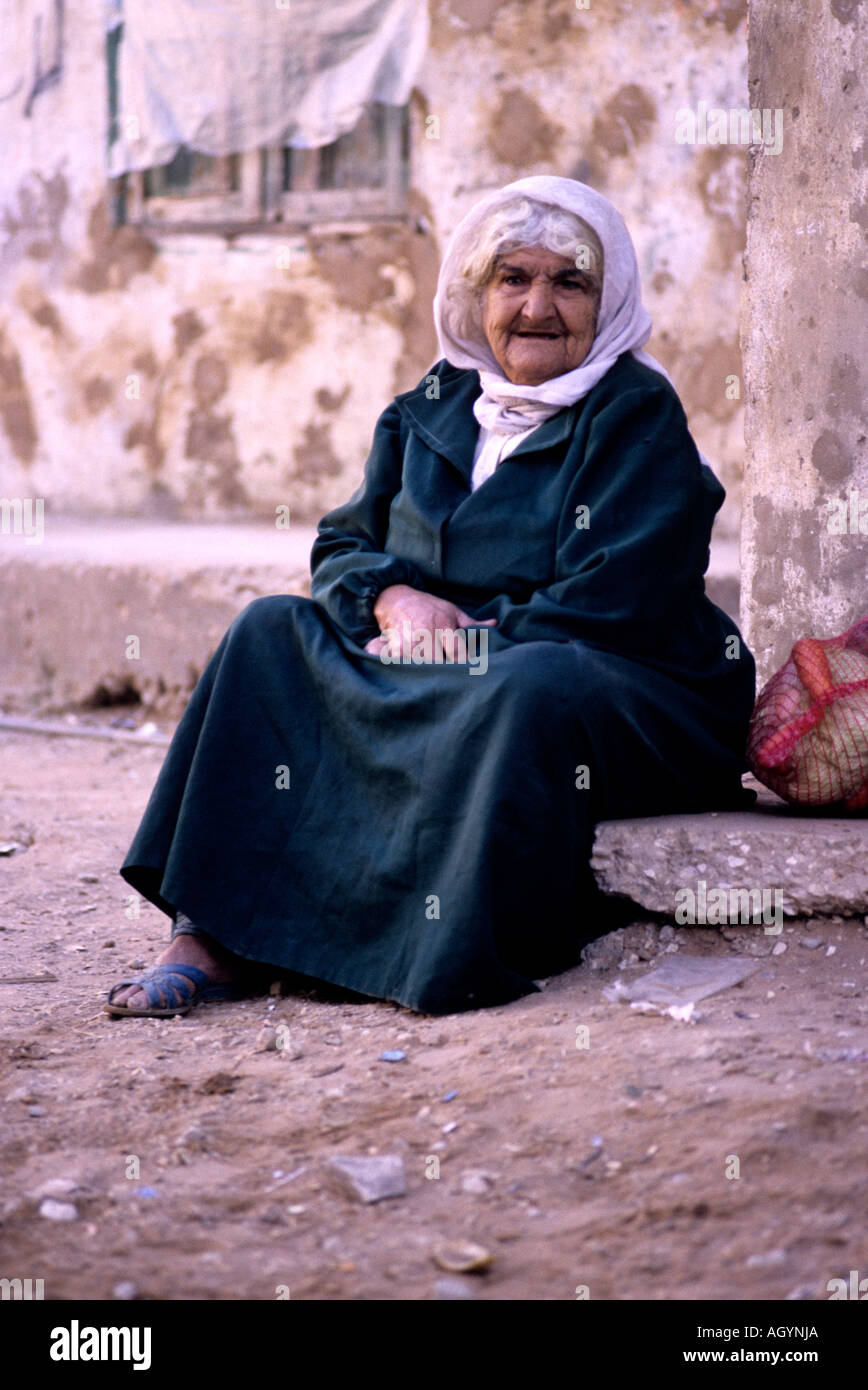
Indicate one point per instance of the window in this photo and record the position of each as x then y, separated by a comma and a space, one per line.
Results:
347, 85
362, 174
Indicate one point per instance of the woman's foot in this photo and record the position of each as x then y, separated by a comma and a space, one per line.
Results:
204, 953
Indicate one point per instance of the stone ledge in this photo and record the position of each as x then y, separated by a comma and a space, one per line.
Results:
67, 605
819, 863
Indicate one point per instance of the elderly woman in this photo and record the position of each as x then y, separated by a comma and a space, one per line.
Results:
392, 786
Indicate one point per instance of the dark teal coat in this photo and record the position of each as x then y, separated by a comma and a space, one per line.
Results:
418, 832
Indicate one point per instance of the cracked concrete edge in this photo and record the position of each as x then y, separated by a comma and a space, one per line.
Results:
818, 865
65, 628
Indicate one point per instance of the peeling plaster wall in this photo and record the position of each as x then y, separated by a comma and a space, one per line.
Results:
805, 559
193, 376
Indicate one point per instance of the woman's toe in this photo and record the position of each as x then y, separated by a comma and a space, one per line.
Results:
132, 997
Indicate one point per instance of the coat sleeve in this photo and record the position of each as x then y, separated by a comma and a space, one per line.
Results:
632, 537
349, 564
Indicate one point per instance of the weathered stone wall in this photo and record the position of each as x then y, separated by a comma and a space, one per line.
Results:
259, 386
805, 523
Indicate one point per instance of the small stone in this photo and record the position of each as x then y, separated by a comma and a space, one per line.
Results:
811, 943
394, 1055
194, 1138
450, 1095
478, 1184
369, 1179
830, 950
271, 1216
56, 1187
767, 1260
57, 1211
36, 1111
461, 1256
125, 1290
135, 965
266, 1038
25, 1094
88, 878
10, 847
779, 948
667, 933
450, 1128
453, 1289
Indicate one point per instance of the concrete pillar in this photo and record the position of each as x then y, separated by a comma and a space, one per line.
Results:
805, 329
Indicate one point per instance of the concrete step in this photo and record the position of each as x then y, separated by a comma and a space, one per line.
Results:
775, 858
70, 604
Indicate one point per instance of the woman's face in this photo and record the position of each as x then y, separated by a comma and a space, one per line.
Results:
539, 315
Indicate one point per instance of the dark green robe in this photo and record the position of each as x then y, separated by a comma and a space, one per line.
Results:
420, 832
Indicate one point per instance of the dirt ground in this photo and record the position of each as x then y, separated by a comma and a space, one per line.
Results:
196, 1161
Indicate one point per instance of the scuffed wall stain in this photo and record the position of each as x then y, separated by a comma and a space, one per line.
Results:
16, 411
625, 121
421, 255
46, 315
188, 328
284, 327
146, 362
330, 400
40, 309
558, 18
116, 253
845, 385
352, 265
31, 219
97, 392
361, 269
845, 11
145, 435
831, 458
449, 17
721, 181
729, 13
315, 456
710, 366
210, 440
519, 133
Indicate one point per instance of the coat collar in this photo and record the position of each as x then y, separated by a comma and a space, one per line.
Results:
447, 423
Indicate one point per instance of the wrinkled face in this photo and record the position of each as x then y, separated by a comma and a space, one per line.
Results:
539, 315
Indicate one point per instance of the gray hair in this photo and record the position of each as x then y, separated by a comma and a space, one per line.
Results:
522, 222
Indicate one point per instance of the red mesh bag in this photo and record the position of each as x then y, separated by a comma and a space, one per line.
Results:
808, 737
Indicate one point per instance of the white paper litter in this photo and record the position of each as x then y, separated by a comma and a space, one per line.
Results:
675, 987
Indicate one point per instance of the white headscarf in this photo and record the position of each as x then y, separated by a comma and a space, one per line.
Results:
623, 323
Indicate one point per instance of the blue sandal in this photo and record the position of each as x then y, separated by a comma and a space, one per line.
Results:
185, 983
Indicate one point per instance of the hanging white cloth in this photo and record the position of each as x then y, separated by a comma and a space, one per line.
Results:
227, 76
